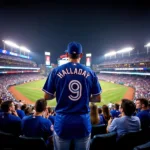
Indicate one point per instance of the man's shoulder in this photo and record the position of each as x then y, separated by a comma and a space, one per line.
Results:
27, 117
142, 113
14, 118
45, 121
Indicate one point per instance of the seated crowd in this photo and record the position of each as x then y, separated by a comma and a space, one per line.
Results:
14, 79
38, 120
141, 84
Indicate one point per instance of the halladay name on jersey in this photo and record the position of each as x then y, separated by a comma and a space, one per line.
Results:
70, 71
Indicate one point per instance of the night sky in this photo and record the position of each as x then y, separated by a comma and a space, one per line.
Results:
50, 26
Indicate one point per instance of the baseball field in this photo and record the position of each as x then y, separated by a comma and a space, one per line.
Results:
30, 92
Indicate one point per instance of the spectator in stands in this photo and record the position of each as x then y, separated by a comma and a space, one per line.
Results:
28, 111
105, 114
23, 107
99, 111
115, 112
96, 119
149, 106
0, 104
73, 84
20, 112
144, 114
9, 120
51, 117
35, 125
126, 123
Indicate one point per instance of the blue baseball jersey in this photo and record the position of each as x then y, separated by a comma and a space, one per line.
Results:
36, 126
20, 113
10, 123
115, 113
73, 84
144, 116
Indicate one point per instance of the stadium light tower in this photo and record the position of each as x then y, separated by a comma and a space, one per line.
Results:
11, 44
125, 50
25, 50
112, 53
147, 46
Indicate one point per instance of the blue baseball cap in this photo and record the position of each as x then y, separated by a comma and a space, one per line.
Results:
74, 48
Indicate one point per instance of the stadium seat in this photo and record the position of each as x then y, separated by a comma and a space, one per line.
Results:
98, 129
104, 141
145, 146
146, 135
36, 143
8, 141
129, 141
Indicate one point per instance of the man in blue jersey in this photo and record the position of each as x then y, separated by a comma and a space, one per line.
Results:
36, 125
9, 119
143, 114
20, 112
74, 86
115, 112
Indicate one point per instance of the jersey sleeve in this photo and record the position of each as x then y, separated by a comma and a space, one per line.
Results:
96, 87
49, 86
48, 128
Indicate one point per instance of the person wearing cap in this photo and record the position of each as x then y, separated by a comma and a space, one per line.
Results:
74, 86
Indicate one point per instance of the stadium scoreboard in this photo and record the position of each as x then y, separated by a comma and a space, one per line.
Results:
47, 58
88, 59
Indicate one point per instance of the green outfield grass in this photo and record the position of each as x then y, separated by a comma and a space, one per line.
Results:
111, 92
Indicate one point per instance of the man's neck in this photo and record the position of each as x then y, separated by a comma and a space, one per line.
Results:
144, 108
74, 60
123, 114
38, 113
9, 112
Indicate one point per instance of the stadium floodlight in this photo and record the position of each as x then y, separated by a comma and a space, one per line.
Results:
110, 54
147, 45
88, 55
24, 49
12, 44
124, 50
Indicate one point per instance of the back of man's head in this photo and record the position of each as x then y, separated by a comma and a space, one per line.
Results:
117, 106
74, 50
17, 106
50, 110
40, 105
128, 107
6, 105
143, 101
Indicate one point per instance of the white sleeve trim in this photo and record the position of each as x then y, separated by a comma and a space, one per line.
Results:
48, 92
97, 93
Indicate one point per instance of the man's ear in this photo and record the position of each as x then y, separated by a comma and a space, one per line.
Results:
81, 55
142, 105
67, 54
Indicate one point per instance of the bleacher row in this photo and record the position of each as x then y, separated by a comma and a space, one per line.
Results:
127, 60
6, 60
100, 141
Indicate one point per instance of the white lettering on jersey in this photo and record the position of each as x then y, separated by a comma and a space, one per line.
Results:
84, 73
75, 87
64, 73
87, 75
75, 71
71, 71
80, 71
60, 75
67, 71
